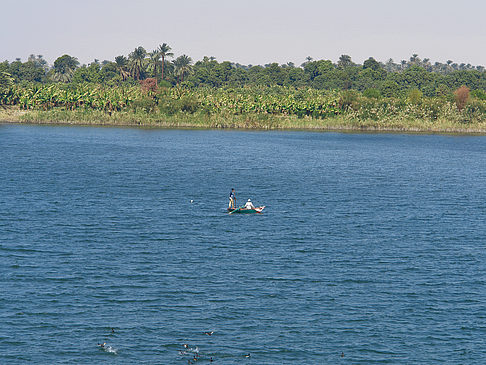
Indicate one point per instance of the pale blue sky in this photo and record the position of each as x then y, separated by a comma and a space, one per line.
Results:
248, 32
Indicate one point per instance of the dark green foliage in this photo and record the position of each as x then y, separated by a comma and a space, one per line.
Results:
27, 71
474, 108
347, 99
443, 91
91, 74
372, 64
390, 88
345, 62
479, 94
64, 68
272, 89
414, 96
6, 82
372, 93
185, 104
109, 72
145, 104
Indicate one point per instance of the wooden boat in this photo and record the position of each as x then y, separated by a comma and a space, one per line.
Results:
242, 210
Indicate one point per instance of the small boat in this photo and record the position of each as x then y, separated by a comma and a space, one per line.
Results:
246, 211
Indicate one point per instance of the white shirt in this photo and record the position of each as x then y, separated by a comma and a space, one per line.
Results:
249, 205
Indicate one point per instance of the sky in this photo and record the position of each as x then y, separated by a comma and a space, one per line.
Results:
247, 32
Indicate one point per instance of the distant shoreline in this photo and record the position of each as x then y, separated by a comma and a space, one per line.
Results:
249, 122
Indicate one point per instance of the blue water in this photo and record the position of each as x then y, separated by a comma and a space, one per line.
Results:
371, 248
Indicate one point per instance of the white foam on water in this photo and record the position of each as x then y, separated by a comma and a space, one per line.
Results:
110, 349
193, 350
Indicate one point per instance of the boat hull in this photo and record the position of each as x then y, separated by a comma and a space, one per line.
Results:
257, 210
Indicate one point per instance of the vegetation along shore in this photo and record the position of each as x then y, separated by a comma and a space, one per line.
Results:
151, 89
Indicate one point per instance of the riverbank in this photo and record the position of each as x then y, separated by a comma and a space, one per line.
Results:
246, 121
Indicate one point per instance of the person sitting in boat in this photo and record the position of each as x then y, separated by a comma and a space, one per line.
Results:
249, 205
232, 199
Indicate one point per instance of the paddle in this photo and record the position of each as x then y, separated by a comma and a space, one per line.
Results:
236, 210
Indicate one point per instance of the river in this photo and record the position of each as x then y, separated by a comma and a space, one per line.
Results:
371, 248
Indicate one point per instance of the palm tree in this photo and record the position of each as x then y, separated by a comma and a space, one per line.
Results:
154, 60
42, 62
414, 59
121, 64
345, 61
38, 61
164, 51
390, 65
307, 60
136, 61
183, 66
64, 68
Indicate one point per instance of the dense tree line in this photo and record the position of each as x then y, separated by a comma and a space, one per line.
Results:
161, 67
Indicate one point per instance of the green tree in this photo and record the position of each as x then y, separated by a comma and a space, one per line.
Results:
414, 60
369, 79
109, 72
39, 61
136, 60
121, 63
389, 88
183, 67
64, 68
154, 61
164, 51
27, 71
276, 75
372, 63
89, 73
345, 61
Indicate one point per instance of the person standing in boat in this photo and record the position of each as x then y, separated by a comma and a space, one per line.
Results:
232, 199
249, 205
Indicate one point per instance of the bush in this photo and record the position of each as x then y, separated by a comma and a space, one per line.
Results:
433, 107
479, 94
146, 104
165, 84
186, 104
389, 89
476, 108
414, 96
189, 104
372, 93
347, 98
